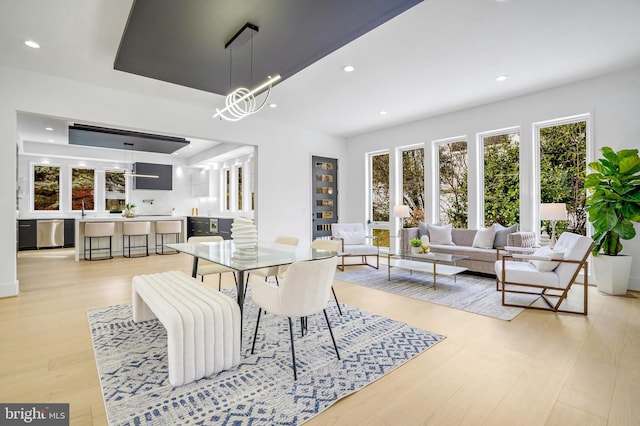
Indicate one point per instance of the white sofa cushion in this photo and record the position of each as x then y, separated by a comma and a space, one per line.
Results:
440, 234
353, 237
484, 237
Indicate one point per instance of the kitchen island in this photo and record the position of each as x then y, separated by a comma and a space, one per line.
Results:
116, 243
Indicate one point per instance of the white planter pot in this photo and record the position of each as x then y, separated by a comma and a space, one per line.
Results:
612, 273
415, 250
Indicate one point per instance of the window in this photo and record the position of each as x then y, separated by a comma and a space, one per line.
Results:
453, 183
413, 184
380, 196
501, 178
563, 162
82, 185
46, 188
115, 190
227, 189
239, 188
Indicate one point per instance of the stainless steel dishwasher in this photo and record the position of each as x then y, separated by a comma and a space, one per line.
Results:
50, 233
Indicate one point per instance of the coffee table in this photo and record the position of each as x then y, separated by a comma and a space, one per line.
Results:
433, 263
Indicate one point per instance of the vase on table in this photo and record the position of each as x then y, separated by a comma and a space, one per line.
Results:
244, 233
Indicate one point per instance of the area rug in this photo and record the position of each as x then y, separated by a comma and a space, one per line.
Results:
471, 293
132, 364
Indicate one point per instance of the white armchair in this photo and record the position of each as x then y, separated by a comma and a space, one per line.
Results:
356, 243
303, 290
549, 273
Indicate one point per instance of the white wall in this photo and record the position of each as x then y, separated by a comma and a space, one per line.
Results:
283, 160
612, 100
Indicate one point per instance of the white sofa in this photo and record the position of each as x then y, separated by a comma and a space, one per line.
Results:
480, 259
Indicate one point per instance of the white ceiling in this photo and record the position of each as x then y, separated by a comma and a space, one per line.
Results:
438, 57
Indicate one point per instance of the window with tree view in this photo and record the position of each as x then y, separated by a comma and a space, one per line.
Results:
563, 161
453, 183
380, 196
502, 179
413, 185
114, 188
82, 184
46, 188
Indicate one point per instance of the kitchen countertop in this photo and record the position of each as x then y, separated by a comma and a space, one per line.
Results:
120, 218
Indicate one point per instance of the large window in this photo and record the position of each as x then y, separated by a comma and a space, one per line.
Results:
502, 178
380, 196
563, 161
239, 188
413, 184
114, 190
453, 183
82, 185
46, 188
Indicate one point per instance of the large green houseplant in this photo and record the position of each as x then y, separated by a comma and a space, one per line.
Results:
613, 204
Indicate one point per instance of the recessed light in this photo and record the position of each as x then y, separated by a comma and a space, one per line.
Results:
502, 77
50, 140
45, 161
273, 105
49, 128
32, 44
348, 68
383, 112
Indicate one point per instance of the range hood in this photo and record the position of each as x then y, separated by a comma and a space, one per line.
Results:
102, 137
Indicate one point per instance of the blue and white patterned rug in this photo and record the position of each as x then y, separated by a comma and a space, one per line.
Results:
132, 364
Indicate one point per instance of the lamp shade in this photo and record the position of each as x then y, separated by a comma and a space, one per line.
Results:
553, 211
401, 211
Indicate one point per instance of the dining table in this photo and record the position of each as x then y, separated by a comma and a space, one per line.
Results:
243, 260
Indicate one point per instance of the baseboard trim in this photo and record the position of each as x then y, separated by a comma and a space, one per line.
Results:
9, 289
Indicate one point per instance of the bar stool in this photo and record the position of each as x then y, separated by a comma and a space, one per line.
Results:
167, 227
135, 229
98, 230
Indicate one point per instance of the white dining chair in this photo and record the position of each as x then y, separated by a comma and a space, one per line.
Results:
209, 268
303, 290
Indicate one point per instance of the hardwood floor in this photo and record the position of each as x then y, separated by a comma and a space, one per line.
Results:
540, 368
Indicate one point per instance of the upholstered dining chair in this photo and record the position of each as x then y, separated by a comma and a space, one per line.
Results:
329, 245
355, 243
303, 291
548, 273
273, 271
209, 268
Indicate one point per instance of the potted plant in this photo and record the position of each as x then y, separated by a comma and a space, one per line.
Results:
415, 244
613, 205
128, 210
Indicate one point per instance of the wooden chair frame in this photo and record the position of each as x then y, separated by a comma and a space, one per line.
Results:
547, 291
363, 256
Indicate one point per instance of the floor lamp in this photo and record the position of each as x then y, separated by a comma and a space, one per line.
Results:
553, 212
401, 211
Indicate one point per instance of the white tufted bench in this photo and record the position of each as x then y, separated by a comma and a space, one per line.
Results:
203, 325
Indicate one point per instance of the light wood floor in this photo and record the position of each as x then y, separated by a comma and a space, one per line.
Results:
540, 368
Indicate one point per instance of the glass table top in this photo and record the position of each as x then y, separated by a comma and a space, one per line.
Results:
265, 254
439, 257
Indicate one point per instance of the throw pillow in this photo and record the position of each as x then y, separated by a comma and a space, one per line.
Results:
546, 265
352, 237
423, 228
484, 238
501, 234
440, 234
